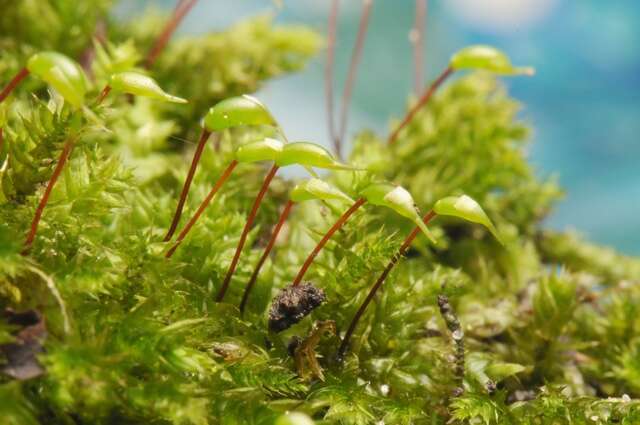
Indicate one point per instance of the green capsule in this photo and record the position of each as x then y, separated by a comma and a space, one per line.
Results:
309, 155
466, 208
317, 189
486, 58
238, 111
141, 85
398, 199
61, 73
267, 149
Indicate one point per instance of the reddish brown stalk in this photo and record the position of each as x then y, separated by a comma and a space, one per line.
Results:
182, 8
21, 75
328, 71
225, 175
204, 136
353, 66
417, 38
245, 232
265, 254
421, 102
394, 260
337, 225
104, 93
62, 160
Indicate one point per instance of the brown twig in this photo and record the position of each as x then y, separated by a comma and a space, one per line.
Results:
62, 160
245, 231
204, 136
182, 8
353, 66
394, 260
328, 71
21, 75
225, 175
421, 102
274, 236
417, 38
453, 324
337, 225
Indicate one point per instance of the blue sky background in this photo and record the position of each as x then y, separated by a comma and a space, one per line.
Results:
584, 101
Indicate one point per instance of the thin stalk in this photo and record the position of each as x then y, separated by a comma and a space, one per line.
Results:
453, 324
328, 71
421, 102
394, 260
21, 75
274, 236
225, 175
204, 136
353, 66
62, 160
104, 93
245, 231
182, 8
1, 139
337, 225
417, 38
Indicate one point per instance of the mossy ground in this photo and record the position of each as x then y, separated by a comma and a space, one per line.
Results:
551, 324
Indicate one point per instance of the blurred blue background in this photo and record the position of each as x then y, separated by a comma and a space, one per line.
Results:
584, 101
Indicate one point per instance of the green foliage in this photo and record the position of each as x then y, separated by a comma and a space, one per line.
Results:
551, 324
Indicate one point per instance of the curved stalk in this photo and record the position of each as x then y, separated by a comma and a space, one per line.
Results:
204, 136
394, 260
225, 175
421, 102
265, 254
337, 225
353, 66
328, 71
62, 160
245, 231
182, 8
21, 75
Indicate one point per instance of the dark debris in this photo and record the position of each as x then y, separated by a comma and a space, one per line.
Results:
293, 304
21, 355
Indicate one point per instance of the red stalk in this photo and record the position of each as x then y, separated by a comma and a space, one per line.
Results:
353, 66
245, 231
204, 136
21, 75
328, 71
337, 225
265, 254
421, 102
104, 93
62, 160
225, 175
182, 8
394, 260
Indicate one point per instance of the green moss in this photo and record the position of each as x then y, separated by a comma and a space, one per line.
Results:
550, 321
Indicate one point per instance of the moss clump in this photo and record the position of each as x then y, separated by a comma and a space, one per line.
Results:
550, 322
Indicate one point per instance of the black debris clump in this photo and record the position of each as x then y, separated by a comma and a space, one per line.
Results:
293, 304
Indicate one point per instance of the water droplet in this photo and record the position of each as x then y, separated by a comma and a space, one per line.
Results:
457, 334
